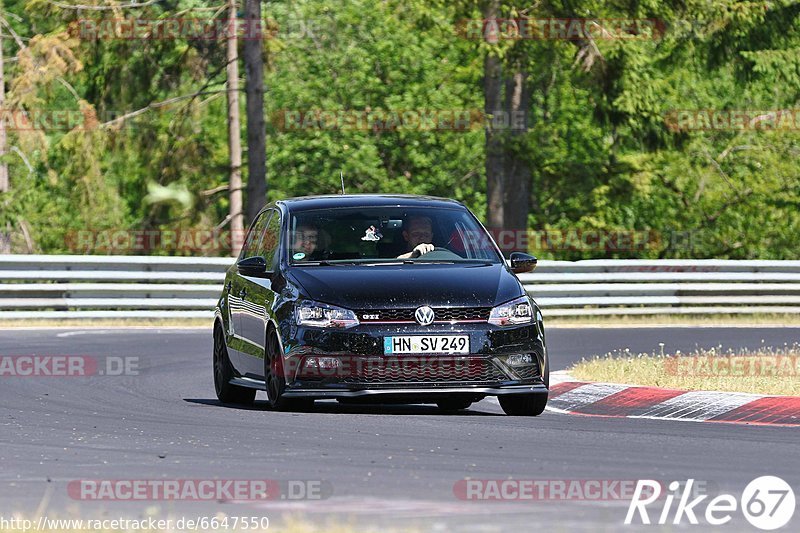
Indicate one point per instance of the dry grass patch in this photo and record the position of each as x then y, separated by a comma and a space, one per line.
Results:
767, 370
675, 320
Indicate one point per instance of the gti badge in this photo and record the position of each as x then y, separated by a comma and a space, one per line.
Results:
424, 315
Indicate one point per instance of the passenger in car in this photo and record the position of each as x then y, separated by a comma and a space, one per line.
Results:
304, 242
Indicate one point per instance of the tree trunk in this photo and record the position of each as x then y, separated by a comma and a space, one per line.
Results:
518, 173
492, 92
234, 142
256, 134
508, 177
5, 230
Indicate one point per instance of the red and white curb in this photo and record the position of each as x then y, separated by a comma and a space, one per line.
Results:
629, 401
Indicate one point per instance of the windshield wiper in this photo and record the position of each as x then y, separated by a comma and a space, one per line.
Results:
418, 261
424, 261
333, 262
312, 263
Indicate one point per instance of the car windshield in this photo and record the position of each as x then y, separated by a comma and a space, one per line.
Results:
387, 235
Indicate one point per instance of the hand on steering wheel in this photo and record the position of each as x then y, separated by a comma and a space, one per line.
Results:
422, 249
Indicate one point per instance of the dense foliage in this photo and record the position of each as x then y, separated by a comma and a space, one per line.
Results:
615, 144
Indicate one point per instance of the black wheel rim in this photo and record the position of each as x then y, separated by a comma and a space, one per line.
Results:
219, 362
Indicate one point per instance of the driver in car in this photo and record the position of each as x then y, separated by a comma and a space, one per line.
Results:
418, 235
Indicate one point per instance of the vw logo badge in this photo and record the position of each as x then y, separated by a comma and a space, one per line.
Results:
424, 315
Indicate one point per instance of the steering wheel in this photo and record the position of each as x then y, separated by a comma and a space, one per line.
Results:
440, 253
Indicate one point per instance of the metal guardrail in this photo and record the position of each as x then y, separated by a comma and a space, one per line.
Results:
78, 286
669, 286
42, 286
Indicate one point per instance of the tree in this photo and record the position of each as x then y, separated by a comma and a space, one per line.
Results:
234, 142
589, 139
507, 100
5, 232
256, 129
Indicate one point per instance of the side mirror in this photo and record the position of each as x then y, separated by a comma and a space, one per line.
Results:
521, 263
255, 267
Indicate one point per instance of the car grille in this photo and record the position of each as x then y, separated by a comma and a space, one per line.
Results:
530, 371
441, 314
425, 370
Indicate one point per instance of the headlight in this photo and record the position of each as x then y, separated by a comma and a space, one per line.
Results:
519, 311
321, 315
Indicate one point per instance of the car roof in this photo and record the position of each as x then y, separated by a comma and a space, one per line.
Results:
367, 200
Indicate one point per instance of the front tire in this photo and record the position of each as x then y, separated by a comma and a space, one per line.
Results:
523, 404
276, 382
223, 373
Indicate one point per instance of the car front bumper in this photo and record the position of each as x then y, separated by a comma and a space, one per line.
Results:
410, 392
363, 370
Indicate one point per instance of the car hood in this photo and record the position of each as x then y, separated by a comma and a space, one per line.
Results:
388, 286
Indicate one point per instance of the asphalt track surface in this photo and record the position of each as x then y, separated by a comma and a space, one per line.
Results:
386, 466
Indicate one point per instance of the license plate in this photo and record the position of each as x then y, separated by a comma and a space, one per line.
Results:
444, 344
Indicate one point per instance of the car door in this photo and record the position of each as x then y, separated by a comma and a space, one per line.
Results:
237, 291
259, 299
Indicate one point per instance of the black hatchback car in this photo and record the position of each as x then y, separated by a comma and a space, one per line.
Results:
377, 298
